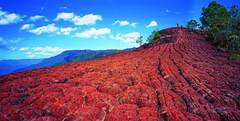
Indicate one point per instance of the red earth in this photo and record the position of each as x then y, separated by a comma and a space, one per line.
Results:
181, 77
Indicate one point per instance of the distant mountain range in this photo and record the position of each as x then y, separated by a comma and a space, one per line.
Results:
10, 66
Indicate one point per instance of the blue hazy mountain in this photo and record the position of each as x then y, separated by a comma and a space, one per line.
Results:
71, 56
9, 66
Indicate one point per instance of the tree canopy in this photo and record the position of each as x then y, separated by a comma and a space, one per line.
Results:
214, 16
192, 24
222, 25
140, 40
154, 36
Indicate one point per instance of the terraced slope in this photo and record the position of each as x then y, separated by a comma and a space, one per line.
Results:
181, 78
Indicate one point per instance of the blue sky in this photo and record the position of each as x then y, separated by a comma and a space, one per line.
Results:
44, 28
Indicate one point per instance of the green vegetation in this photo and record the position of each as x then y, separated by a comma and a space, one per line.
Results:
215, 20
222, 26
155, 35
235, 56
234, 42
178, 25
192, 24
140, 40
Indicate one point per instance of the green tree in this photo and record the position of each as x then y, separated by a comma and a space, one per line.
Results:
234, 23
215, 15
234, 44
222, 26
155, 35
140, 40
215, 19
192, 24
234, 28
234, 11
178, 25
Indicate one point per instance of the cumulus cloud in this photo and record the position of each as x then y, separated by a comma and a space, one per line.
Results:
88, 19
8, 18
38, 17
23, 49
152, 24
133, 24
27, 26
93, 32
124, 23
41, 51
126, 38
67, 30
50, 28
64, 16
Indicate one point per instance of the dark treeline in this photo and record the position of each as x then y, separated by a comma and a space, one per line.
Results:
222, 26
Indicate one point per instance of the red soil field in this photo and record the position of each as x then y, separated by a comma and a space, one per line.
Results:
179, 78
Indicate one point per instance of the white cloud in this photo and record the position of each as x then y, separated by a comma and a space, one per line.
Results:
124, 23
93, 32
67, 30
23, 49
152, 24
38, 17
64, 16
88, 19
8, 18
27, 26
121, 23
50, 28
133, 24
41, 51
126, 38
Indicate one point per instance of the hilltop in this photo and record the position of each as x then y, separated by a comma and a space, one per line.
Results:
179, 77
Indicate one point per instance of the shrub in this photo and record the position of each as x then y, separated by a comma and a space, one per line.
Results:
235, 56
140, 40
193, 24
155, 35
234, 44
